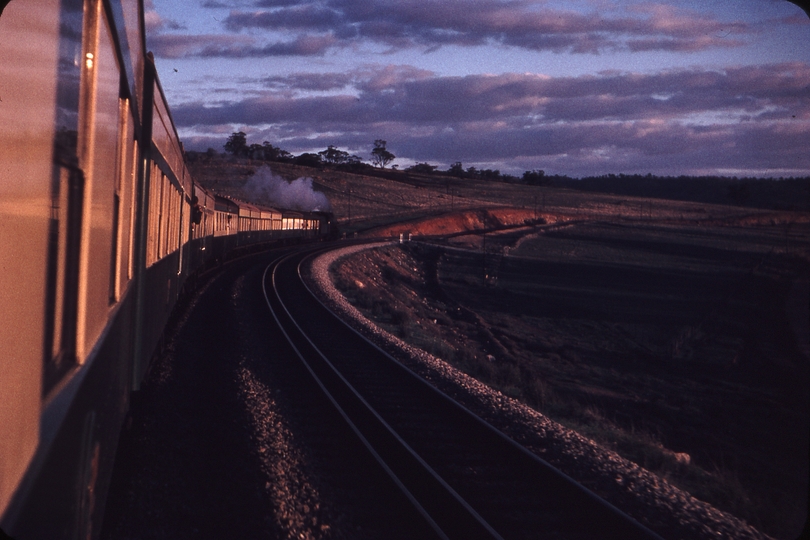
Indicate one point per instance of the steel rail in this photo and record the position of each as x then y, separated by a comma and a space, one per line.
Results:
447, 513
633, 524
599, 519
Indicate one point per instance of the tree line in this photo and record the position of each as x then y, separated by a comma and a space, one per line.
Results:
237, 145
786, 193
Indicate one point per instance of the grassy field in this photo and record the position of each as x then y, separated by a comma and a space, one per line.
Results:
363, 203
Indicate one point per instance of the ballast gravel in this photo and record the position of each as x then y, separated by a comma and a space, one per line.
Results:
664, 508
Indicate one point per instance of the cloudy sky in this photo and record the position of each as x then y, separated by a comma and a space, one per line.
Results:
575, 87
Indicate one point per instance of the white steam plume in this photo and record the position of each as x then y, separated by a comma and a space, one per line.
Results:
268, 188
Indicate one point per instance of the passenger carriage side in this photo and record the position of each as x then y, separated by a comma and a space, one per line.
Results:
101, 227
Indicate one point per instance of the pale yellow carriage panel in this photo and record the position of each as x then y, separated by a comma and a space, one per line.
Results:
28, 65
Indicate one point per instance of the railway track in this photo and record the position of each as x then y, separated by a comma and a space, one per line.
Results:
464, 477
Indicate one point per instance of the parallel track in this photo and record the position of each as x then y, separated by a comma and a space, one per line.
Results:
466, 478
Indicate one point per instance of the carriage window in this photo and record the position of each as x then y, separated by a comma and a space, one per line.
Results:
67, 195
133, 205
121, 164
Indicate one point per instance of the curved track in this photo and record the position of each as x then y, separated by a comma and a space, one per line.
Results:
465, 477
231, 438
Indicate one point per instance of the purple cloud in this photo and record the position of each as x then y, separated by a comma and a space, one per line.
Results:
431, 24
236, 46
156, 24
621, 122
406, 94
310, 17
366, 79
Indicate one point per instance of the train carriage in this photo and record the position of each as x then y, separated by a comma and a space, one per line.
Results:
72, 135
267, 222
291, 222
249, 216
203, 219
101, 227
272, 221
226, 217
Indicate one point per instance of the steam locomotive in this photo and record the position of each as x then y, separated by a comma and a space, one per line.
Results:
101, 226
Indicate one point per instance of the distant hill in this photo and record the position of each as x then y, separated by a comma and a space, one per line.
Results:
372, 196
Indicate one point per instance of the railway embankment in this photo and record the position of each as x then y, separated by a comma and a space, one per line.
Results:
665, 508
